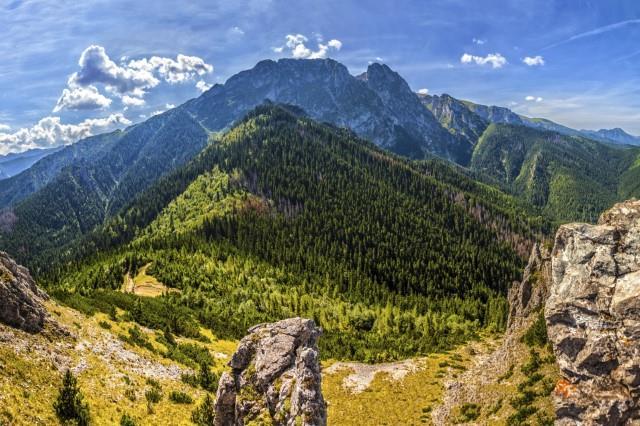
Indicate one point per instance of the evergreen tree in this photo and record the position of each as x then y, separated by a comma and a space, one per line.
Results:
69, 406
204, 414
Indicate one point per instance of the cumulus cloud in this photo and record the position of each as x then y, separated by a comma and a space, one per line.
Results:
96, 67
297, 45
4, 127
496, 60
478, 41
203, 86
236, 31
423, 91
183, 68
533, 61
81, 98
132, 101
129, 81
50, 131
533, 98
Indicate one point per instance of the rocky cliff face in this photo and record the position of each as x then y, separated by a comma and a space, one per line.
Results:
377, 105
593, 318
528, 297
20, 299
275, 377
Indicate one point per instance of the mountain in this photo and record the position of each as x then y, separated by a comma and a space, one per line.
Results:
617, 136
567, 177
14, 163
287, 217
378, 105
32, 179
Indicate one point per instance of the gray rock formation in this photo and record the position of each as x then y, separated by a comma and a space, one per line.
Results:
528, 297
275, 377
593, 318
20, 299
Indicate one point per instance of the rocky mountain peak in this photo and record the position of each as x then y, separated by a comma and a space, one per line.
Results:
22, 301
275, 377
593, 318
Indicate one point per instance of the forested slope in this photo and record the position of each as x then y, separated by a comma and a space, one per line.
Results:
284, 216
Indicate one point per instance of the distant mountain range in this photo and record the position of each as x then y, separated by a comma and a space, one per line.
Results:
616, 135
14, 163
68, 193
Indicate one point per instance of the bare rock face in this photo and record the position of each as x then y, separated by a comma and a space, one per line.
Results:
593, 318
275, 377
528, 297
20, 299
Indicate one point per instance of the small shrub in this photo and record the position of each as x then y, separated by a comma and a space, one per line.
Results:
180, 397
469, 412
127, 420
204, 414
190, 379
153, 395
105, 325
536, 335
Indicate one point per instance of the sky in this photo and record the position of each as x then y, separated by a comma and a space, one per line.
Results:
70, 69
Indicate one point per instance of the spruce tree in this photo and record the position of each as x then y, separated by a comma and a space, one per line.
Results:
69, 405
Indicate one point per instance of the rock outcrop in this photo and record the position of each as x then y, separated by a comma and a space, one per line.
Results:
275, 377
528, 297
593, 318
21, 301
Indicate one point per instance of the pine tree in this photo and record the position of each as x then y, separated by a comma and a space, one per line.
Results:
204, 414
69, 405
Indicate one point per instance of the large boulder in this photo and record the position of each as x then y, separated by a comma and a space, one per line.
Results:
593, 318
21, 301
275, 377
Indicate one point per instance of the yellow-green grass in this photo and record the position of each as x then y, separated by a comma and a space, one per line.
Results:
30, 380
145, 285
406, 401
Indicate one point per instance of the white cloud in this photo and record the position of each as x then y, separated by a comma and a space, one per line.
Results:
533, 98
183, 68
423, 91
296, 43
479, 41
203, 86
4, 127
81, 98
96, 67
496, 60
169, 106
236, 31
132, 101
129, 81
50, 131
533, 61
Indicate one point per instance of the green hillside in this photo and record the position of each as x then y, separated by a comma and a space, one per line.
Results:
284, 217
568, 178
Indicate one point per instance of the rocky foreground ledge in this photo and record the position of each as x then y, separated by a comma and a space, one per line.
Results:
275, 377
21, 301
593, 318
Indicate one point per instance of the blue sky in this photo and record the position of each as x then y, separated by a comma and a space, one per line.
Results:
581, 71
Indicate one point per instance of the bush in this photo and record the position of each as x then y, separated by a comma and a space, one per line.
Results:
127, 420
469, 412
208, 379
536, 335
180, 398
153, 395
69, 406
105, 325
204, 414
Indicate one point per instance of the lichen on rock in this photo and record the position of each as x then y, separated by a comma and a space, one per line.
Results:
275, 377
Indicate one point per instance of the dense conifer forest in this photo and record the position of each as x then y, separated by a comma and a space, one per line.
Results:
283, 216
